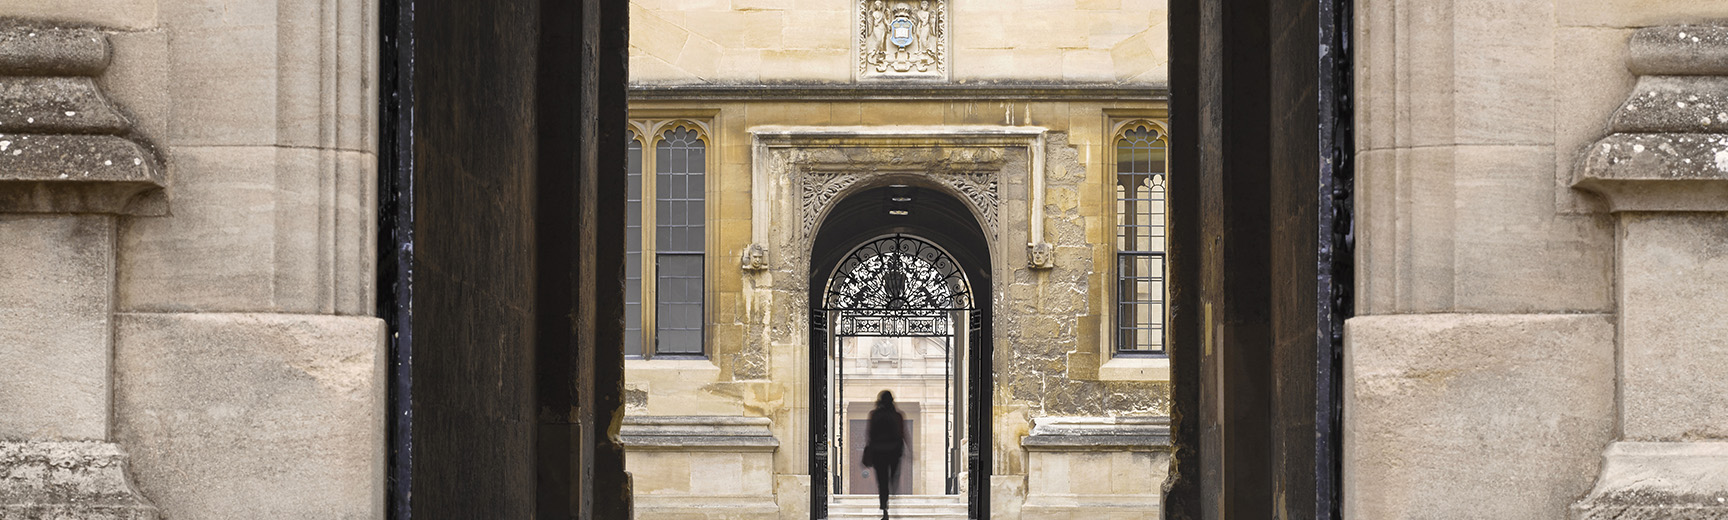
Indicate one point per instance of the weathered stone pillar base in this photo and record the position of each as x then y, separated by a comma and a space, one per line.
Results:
701, 467
1096, 466
1527, 398
1650, 480
68, 480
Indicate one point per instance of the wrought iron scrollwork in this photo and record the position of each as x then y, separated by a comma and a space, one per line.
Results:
897, 286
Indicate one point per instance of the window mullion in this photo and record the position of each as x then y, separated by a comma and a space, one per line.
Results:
650, 247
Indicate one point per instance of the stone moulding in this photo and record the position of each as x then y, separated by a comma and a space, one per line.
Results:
1098, 434
1659, 480
698, 433
972, 91
68, 480
1669, 149
1659, 172
62, 142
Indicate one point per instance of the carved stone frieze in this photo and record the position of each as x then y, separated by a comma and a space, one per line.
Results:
820, 187
902, 39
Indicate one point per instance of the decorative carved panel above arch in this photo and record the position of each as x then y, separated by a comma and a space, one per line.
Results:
901, 39
820, 188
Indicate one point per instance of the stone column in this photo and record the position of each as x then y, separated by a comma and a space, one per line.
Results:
65, 175
1664, 175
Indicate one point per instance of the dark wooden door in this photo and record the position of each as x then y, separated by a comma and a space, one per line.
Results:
1260, 250
502, 181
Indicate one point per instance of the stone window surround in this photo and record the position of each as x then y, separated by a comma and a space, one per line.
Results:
649, 125
1131, 367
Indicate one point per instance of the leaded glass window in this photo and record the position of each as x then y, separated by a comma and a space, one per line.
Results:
666, 243
1140, 233
680, 160
633, 249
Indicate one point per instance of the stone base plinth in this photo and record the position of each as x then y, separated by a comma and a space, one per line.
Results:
261, 416
1526, 399
1096, 468
1651, 480
68, 480
701, 467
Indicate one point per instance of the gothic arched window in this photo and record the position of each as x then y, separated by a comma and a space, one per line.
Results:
666, 247
1140, 153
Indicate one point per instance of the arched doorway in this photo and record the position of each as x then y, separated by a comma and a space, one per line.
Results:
900, 299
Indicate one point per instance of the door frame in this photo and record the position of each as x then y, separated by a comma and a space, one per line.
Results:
1261, 267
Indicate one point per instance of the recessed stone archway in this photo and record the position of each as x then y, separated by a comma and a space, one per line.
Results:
803, 174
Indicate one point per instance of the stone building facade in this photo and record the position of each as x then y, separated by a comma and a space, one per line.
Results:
188, 228
803, 107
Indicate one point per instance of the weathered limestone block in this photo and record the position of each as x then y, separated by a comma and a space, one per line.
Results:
76, 174
56, 278
1659, 172
253, 415
61, 144
1680, 50
1673, 295
1096, 467
701, 466
1508, 410
68, 480
1669, 151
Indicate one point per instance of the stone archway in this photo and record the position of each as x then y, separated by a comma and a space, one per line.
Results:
801, 181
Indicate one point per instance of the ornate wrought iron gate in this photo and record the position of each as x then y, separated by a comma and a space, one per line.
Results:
892, 286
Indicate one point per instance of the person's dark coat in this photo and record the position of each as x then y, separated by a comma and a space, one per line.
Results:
887, 439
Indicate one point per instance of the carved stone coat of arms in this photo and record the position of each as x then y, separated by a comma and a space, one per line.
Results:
902, 39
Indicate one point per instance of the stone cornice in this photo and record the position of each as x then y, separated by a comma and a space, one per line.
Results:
903, 92
1669, 151
697, 433
1099, 434
62, 144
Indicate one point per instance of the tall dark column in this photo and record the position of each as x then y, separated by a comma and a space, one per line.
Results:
504, 183
1254, 251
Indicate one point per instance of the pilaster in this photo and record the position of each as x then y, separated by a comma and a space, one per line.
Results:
67, 171
1663, 173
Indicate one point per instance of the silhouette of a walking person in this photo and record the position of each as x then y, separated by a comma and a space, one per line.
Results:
885, 447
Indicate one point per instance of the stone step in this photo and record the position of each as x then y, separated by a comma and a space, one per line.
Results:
899, 498
918, 507
897, 515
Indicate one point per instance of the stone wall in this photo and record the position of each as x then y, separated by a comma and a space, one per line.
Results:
777, 41
208, 319
1482, 365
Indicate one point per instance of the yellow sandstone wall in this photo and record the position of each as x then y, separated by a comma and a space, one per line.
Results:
773, 41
